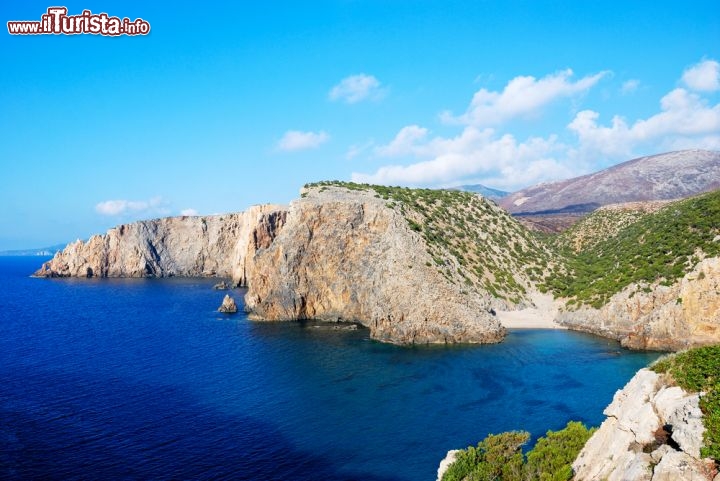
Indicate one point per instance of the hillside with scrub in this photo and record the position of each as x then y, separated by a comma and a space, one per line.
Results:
614, 248
472, 241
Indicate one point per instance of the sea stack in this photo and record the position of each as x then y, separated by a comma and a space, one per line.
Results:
228, 305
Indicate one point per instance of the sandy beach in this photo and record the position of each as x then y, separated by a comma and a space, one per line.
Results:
539, 317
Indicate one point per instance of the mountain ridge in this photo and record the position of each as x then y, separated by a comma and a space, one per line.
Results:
664, 176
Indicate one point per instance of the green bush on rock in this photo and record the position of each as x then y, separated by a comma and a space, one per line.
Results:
499, 457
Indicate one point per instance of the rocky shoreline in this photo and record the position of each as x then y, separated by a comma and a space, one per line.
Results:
347, 254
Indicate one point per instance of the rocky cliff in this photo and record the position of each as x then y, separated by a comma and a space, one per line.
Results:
179, 246
658, 317
336, 254
653, 432
344, 255
426, 266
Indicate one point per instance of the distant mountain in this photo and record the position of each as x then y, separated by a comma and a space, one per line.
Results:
42, 251
483, 190
658, 177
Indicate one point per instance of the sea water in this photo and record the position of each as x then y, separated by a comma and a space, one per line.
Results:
143, 379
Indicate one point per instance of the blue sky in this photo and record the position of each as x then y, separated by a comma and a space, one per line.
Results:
228, 104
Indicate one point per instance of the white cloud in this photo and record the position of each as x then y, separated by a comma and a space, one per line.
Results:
479, 153
405, 142
355, 88
685, 119
629, 86
522, 97
156, 205
189, 212
473, 153
703, 77
294, 140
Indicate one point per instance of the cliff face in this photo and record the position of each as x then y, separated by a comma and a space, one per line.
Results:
336, 254
677, 317
653, 432
345, 255
178, 246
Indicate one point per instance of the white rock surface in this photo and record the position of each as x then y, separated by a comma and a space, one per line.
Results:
618, 449
679, 466
446, 462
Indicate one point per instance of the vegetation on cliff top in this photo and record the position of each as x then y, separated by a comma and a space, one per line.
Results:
471, 240
499, 456
698, 370
660, 247
474, 242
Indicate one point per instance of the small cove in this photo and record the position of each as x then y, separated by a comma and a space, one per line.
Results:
143, 379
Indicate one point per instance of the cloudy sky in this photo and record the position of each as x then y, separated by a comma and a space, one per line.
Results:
225, 105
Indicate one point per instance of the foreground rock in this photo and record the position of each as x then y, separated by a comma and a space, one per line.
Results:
345, 256
653, 432
228, 305
675, 317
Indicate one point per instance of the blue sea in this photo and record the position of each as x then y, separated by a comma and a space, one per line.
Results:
143, 379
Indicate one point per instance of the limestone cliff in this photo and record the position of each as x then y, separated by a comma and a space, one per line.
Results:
336, 254
653, 432
178, 246
659, 317
344, 255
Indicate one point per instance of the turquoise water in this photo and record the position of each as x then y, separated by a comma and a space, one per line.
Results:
142, 379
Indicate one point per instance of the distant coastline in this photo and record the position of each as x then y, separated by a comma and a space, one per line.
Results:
39, 252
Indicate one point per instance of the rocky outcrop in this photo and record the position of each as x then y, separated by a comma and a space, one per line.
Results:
176, 246
344, 255
659, 317
228, 305
653, 432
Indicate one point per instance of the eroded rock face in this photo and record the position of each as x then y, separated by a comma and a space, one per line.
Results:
345, 256
175, 246
632, 445
680, 316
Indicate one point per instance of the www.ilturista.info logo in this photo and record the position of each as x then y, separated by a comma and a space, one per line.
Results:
56, 21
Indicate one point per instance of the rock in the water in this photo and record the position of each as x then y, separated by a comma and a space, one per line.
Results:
221, 286
228, 305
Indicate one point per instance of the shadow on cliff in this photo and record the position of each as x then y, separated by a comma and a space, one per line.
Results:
58, 425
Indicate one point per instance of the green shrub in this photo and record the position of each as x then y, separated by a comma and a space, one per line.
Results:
499, 457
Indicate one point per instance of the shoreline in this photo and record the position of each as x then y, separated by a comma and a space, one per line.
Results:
542, 316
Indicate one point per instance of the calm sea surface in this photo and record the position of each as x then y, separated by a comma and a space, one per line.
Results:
142, 379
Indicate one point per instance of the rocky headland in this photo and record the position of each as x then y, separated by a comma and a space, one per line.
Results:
343, 255
427, 266
207, 246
